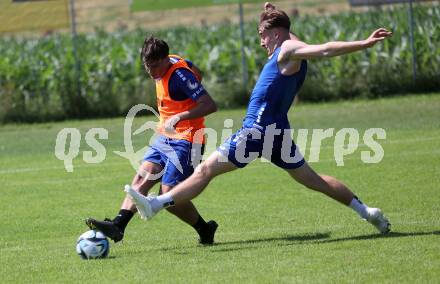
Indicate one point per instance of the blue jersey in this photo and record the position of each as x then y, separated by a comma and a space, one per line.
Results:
179, 86
273, 95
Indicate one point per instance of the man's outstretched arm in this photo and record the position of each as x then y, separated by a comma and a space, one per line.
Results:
297, 50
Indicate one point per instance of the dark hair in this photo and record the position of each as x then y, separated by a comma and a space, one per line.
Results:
154, 49
273, 18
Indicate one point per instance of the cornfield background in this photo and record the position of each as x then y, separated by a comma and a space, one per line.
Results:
38, 78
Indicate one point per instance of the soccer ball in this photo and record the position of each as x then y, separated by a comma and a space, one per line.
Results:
92, 244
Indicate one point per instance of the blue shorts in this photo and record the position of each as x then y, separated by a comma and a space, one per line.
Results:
176, 158
247, 144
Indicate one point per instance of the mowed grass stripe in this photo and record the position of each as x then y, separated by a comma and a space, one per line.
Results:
272, 230
123, 162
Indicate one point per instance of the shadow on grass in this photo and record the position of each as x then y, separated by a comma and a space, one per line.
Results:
380, 236
248, 244
290, 238
317, 238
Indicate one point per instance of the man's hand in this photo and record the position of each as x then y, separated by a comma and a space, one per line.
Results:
170, 123
376, 36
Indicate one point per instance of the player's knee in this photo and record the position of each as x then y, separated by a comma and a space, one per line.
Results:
164, 189
150, 168
172, 210
203, 171
148, 171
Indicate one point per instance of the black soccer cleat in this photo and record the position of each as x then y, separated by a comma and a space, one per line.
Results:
207, 235
107, 227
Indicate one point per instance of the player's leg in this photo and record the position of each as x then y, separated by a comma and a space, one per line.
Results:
203, 174
186, 190
227, 158
293, 162
143, 181
322, 183
188, 213
336, 190
299, 170
185, 211
178, 167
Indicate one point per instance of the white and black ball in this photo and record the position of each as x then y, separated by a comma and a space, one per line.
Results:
92, 245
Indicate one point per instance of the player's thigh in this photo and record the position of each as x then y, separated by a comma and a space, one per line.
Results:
241, 148
178, 165
216, 164
150, 168
152, 165
284, 153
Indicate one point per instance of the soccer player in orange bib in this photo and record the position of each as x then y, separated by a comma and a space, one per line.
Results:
182, 102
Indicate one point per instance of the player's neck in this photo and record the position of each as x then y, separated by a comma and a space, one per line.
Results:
283, 38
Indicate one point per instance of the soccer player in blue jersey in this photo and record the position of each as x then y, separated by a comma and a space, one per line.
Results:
266, 123
182, 103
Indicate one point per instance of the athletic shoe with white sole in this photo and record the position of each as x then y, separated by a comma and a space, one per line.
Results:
378, 220
142, 203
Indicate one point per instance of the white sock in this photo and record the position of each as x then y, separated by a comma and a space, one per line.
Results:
162, 201
359, 207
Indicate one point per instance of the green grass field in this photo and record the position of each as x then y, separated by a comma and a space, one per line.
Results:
272, 230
